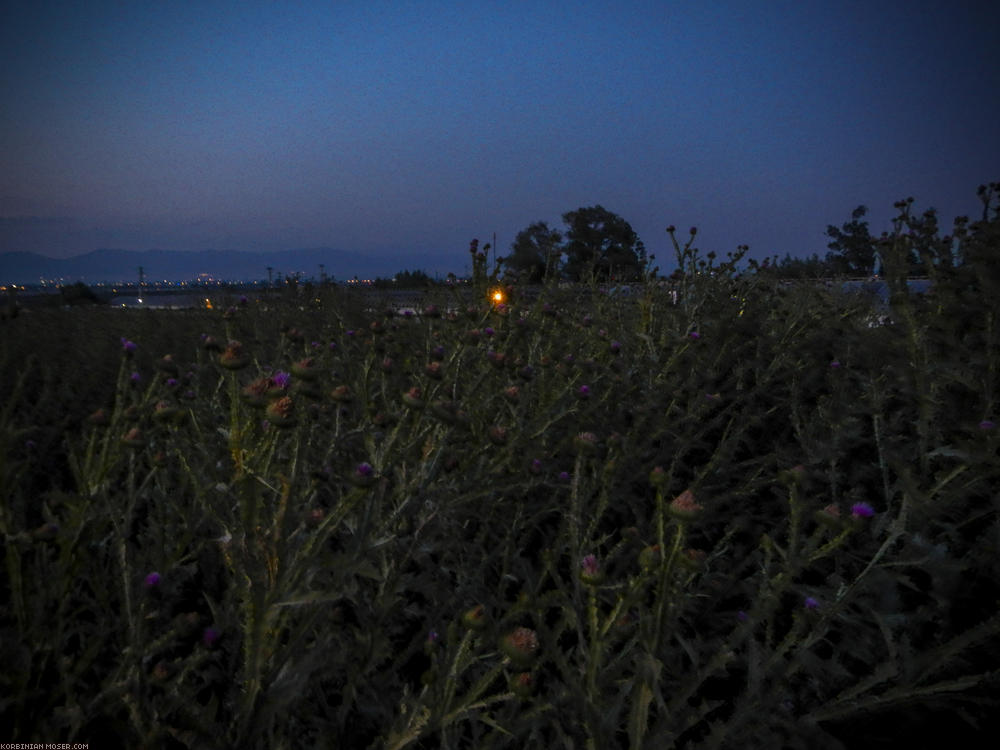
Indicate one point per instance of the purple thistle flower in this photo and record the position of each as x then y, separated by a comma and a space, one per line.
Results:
694, 335
488, 331
987, 424
835, 364
172, 382
742, 616
135, 377
862, 510
616, 346
583, 391
128, 346
564, 476
536, 466
151, 581
281, 379
210, 636
589, 565
811, 603
364, 469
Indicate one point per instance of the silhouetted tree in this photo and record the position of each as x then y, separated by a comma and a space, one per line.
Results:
601, 243
535, 252
852, 246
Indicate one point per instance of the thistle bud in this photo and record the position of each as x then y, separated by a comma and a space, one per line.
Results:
590, 571
99, 418
414, 397
363, 475
658, 477
164, 411
520, 646
342, 394
650, 557
829, 516
281, 413
684, 506
234, 357
305, 369
475, 618
134, 438
255, 393
585, 442
522, 684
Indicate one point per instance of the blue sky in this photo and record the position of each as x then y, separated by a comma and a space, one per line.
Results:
412, 127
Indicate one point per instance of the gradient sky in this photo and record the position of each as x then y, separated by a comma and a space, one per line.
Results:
412, 127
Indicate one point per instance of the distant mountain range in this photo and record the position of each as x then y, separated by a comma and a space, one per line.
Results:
175, 265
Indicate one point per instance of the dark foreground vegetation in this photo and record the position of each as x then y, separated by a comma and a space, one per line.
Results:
728, 511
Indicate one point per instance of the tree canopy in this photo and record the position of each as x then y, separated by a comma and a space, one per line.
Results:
597, 243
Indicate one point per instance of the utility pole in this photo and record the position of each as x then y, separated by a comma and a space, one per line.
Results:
141, 280
269, 270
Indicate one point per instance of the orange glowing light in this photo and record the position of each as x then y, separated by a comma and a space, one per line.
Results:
498, 296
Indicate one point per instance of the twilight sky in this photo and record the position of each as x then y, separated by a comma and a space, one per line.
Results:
412, 127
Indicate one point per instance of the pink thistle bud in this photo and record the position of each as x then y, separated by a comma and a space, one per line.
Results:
512, 393
281, 413
164, 410
498, 435
414, 397
650, 557
134, 438
684, 507
342, 394
305, 368
522, 684
434, 370
210, 343
829, 516
693, 558
234, 357
166, 364
586, 442
520, 646
255, 393
658, 477
590, 570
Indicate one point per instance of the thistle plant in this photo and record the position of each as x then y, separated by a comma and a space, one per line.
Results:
695, 516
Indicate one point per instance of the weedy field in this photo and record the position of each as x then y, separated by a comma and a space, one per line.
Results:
725, 511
